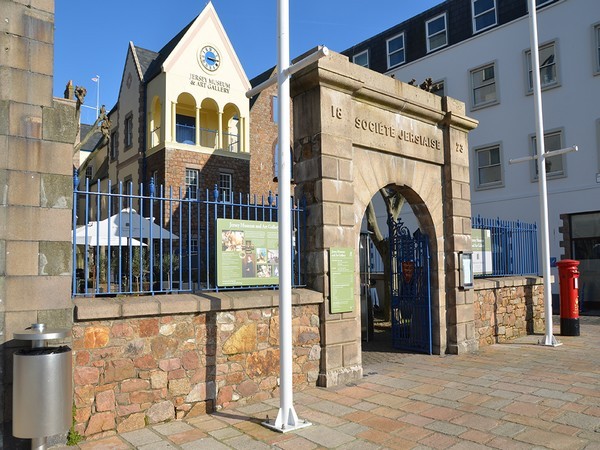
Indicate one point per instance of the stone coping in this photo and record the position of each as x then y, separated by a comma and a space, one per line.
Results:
99, 308
502, 282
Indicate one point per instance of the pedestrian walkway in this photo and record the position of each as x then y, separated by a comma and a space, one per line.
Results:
510, 396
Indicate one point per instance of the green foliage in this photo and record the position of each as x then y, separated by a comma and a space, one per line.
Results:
73, 436
169, 261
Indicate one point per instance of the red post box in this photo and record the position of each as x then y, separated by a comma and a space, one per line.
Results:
568, 277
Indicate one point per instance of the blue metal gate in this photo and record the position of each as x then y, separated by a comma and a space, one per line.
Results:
410, 285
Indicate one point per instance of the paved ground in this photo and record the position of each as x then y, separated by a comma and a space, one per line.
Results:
511, 396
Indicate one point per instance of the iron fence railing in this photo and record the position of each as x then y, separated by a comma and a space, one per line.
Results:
162, 242
514, 246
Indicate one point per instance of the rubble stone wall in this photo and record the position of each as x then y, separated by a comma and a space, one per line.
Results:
508, 308
130, 371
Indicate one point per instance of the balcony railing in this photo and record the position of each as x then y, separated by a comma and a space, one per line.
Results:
185, 134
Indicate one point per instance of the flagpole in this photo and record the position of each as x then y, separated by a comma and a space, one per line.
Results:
287, 419
549, 338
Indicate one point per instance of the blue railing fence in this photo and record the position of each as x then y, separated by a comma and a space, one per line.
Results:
159, 241
514, 246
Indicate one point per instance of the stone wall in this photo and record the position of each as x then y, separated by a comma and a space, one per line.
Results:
149, 360
508, 308
37, 133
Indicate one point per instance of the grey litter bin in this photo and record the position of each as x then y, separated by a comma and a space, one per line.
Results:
42, 386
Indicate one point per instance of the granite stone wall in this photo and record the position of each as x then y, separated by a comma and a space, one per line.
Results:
508, 308
131, 371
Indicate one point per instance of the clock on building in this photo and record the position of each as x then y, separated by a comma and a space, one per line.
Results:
209, 58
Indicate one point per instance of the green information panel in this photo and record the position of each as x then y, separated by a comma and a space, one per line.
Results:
341, 279
481, 244
247, 252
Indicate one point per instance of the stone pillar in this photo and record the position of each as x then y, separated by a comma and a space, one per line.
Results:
323, 173
457, 225
37, 133
220, 131
173, 121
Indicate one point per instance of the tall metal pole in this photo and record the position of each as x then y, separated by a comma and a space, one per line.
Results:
97, 80
549, 338
287, 419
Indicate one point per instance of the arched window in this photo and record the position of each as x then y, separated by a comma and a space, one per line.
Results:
185, 130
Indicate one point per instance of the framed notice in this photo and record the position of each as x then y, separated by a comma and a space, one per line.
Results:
341, 280
247, 252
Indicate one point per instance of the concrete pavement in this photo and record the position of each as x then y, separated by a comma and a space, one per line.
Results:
507, 396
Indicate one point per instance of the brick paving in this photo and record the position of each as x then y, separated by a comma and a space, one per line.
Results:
517, 395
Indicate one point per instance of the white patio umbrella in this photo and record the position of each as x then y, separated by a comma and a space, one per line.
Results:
134, 225
103, 234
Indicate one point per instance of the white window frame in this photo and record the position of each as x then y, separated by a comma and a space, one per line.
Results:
365, 53
529, 73
444, 31
475, 17
472, 72
533, 151
191, 187
539, 3
596, 41
476, 167
401, 49
193, 245
226, 187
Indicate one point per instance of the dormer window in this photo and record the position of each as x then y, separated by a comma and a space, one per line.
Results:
436, 33
361, 59
484, 14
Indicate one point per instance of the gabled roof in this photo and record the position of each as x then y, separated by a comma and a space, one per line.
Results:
145, 58
173, 51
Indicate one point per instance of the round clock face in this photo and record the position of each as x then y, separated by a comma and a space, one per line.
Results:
210, 58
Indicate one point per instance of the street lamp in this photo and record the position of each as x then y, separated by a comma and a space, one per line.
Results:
96, 80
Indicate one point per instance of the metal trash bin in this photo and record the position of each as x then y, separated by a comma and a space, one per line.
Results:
42, 386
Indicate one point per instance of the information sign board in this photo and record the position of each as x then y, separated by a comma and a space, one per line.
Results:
247, 252
341, 280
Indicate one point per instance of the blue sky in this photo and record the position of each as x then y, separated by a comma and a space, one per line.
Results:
91, 38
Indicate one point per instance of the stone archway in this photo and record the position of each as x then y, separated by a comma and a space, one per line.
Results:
356, 131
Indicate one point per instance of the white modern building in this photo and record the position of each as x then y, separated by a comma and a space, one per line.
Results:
478, 51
